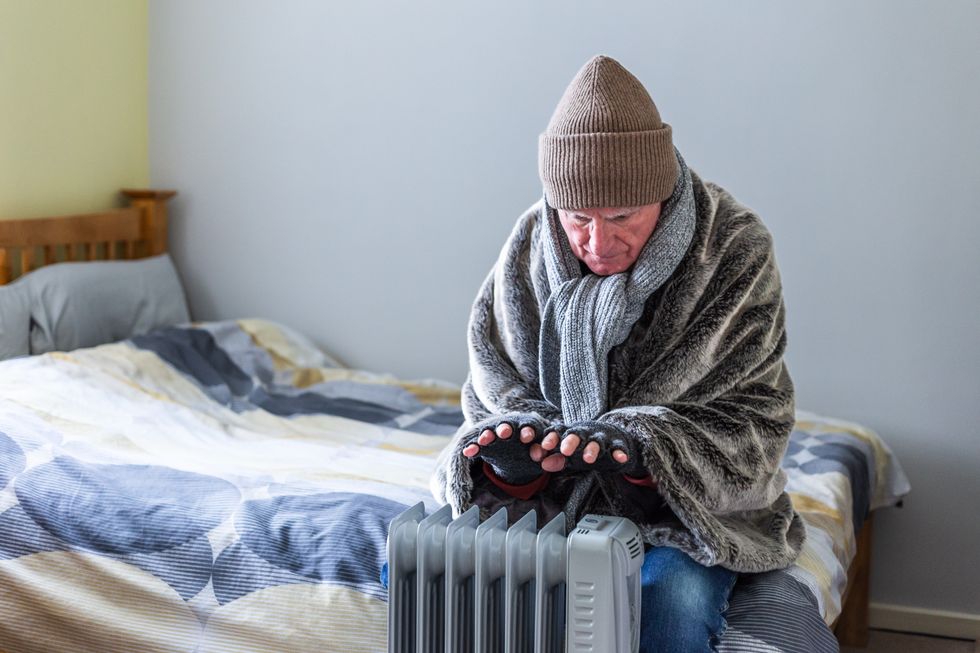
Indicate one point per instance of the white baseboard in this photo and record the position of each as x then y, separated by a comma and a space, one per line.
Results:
921, 620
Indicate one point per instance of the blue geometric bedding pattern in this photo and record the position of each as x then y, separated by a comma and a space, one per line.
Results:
226, 486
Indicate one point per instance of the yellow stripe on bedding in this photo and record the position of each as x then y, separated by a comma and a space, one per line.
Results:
428, 392
819, 425
321, 618
825, 517
285, 351
126, 609
811, 563
289, 355
807, 504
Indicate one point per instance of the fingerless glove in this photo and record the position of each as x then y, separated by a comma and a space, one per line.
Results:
510, 458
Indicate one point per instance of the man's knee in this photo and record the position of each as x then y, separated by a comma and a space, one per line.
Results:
683, 602
686, 595
686, 589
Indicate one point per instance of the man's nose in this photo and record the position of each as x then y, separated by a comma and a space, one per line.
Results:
599, 239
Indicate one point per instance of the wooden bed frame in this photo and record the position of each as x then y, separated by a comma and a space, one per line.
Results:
851, 626
140, 230
137, 231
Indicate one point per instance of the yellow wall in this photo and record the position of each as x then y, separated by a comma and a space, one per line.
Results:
73, 104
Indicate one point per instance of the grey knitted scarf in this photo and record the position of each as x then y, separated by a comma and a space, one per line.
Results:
587, 315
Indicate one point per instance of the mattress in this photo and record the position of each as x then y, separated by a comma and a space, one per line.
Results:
226, 486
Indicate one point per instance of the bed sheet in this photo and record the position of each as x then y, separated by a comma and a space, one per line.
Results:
226, 486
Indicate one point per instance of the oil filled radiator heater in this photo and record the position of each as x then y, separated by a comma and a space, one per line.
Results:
461, 586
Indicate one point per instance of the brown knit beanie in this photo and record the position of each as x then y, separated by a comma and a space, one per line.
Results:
605, 145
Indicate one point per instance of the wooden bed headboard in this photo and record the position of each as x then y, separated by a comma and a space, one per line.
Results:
137, 231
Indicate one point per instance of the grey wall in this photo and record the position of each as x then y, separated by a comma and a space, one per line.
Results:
351, 169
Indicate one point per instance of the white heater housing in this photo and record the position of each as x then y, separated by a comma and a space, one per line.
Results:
461, 586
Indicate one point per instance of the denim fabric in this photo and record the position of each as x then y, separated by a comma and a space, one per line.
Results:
683, 604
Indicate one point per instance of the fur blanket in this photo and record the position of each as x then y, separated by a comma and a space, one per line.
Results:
696, 379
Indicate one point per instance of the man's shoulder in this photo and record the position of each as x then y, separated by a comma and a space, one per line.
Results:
522, 239
530, 216
526, 225
727, 222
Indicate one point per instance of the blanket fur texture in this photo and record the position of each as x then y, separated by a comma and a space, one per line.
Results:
683, 354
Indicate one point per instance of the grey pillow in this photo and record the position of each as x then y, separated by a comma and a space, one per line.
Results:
91, 303
15, 320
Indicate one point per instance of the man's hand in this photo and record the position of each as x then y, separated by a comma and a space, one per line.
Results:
509, 456
589, 445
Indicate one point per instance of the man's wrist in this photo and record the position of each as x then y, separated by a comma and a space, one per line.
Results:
641, 481
522, 488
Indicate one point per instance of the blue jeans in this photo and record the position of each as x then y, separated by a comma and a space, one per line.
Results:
684, 602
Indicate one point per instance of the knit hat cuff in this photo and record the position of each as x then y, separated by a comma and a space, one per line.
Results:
607, 169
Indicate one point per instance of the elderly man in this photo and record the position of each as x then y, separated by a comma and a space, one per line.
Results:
626, 358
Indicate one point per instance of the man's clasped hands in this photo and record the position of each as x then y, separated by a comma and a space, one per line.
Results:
520, 446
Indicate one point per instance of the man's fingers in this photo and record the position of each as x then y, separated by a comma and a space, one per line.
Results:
486, 437
570, 444
553, 463
550, 441
620, 456
527, 434
505, 430
536, 452
471, 450
591, 452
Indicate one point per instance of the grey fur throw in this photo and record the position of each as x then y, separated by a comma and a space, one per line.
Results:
683, 354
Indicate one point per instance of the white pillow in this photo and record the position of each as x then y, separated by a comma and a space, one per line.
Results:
15, 320
91, 303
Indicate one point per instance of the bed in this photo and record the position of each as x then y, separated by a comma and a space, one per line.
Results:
226, 486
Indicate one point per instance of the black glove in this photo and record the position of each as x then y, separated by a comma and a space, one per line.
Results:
609, 438
510, 458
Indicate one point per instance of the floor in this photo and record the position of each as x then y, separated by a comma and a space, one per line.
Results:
886, 641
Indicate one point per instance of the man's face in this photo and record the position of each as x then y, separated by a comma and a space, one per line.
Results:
609, 240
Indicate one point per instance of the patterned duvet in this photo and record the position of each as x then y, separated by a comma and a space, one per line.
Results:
226, 486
